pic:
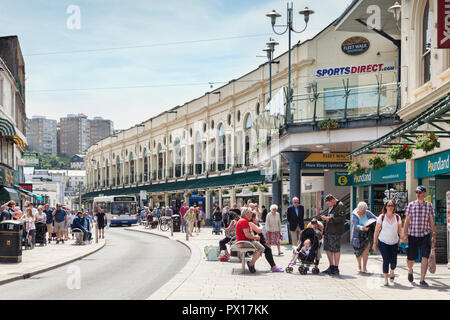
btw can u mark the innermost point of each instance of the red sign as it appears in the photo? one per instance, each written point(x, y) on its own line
point(443, 24)
point(26, 186)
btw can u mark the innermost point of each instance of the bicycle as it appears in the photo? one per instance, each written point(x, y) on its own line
point(164, 223)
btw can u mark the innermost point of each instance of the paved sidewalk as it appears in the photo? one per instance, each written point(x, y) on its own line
point(45, 258)
point(203, 280)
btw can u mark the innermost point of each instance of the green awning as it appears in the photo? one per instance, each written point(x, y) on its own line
point(435, 119)
point(237, 179)
point(7, 194)
point(28, 193)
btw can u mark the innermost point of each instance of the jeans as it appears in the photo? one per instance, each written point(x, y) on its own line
point(183, 225)
point(389, 254)
point(217, 225)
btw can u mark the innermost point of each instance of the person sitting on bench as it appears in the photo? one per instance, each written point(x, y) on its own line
point(78, 224)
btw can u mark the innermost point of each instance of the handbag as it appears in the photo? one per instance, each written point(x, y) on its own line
point(211, 253)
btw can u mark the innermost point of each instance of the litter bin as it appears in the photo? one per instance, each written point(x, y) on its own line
point(11, 241)
point(176, 222)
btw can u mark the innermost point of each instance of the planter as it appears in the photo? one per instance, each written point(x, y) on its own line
point(328, 124)
point(225, 192)
point(377, 163)
point(238, 190)
point(400, 152)
point(427, 142)
point(355, 169)
point(253, 188)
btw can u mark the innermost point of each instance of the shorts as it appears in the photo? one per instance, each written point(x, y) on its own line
point(253, 244)
point(58, 227)
point(50, 229)
point(332, 243)
point(416, 243)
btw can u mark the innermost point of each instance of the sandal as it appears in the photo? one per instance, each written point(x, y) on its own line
point(278, 270)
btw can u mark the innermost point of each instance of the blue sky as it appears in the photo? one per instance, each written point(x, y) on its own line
point(42, 28)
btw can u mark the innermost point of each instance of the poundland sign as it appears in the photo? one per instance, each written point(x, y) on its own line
point(433, 165)
point(391, 173)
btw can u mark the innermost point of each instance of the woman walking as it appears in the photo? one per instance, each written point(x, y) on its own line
point(273, 228)
point(29, 218)
point(362, 238)
point(190, 220)
point(387, 235)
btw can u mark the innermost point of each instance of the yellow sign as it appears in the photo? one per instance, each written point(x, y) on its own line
point(343, 180)
point(328, 157)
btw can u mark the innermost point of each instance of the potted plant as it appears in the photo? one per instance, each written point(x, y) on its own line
point(376, 162)
point(238, 190)
point(224, 192)
point(160, 196)
point(400, 152)
point(328, 124)
point(355, 168)
point(189, 194)
point(253, 188)
point(263, 189)
point(213, 193)
point(427, 142)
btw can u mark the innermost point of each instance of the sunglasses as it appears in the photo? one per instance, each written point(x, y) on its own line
point(418, 192)
point(390, 205)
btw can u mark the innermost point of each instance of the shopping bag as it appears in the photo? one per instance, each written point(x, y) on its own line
point(211, 253)
point(432, 261)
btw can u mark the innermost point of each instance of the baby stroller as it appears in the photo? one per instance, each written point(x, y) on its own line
point(41, 230)
point(312, 257)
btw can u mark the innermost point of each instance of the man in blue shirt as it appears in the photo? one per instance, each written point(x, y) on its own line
point(59, 217)
point(86, 222)
point(78, 223)
point(49, 221)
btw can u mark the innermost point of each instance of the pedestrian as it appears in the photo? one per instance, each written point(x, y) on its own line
point(198, 216)
point(100, 220)
point(169, 212)
point(420, 231)
point(295, 216)
point(257, 229)
point(273, 228)
point(78, 224)
point(387, 236)
point(41, 216)
point(30, 219)
point(86, 222)
point(5, 215)
point(244, 233)
point(335, 227)
point(59, 216)
point(73, 215)
point(264, 213)
point(49, 221)
point(184, 208)
point(362, 239)
point(190, 220)
point(230, 235)
point(226, 217)
point(217, 218)
point(67, 224)
point(236, 210)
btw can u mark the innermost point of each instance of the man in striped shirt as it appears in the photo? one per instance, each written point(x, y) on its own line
point(419, 229)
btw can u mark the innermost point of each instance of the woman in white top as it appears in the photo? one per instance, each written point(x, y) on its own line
point(29, 218)
point(273, 228)
point(41, 216)
point(387, 235)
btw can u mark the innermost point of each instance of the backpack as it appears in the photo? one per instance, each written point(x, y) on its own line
point(382, 219)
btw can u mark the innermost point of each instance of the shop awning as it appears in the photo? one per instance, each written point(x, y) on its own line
point(238, 179)
point(435, 119)
point(28, 193)
point(7, 129)
point(7, 194)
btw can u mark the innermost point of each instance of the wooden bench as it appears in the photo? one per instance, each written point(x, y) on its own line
point(242, 251)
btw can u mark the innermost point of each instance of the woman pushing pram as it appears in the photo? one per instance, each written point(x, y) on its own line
point(308, 251)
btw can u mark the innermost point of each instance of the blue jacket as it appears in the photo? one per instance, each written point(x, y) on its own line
point(78, 223)
point(356, 227)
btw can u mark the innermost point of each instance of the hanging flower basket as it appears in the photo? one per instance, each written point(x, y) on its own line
point(224, 192)
point(376, 162)
point(355, 168)
point(238, 190)
point(213, 193)
point(427, 142)
point(400, 152)
point(263, 189)
point(253, 188)
point(160, 197)
point(328, 124)
point(189, 194)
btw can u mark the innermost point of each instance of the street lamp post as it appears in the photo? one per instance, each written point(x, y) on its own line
point(273, 15)
point(269, 50)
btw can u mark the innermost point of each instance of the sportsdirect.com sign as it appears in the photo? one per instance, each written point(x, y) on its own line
point(352, 70)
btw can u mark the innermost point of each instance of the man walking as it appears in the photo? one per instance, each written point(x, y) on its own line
point(49, 221)
point(183, 211)
point(335, 219)
point(295, 217)
point(420, 231)
point(60, 223)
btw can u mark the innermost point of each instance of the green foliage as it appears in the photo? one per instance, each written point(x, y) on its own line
point(355, 168)
point(238, 190)
point(377, 163)
point(53, 162)
point(253, 188)
point(427, 142)
point(225, 192)
point(328, 124)
point(400, 152)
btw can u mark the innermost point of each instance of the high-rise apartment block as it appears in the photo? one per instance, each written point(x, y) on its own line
point(42, 135)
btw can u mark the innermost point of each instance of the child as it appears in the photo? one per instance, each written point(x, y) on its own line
point(304, 251)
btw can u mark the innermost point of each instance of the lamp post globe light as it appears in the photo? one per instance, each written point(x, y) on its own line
point(269, 51)
point(273, 15)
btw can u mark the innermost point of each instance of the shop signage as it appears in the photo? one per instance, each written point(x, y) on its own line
point(393, 172)
point(433, 165)
point(448, 227)
point(353, 70)
point(326, 161)
point(443, 24)
point(26, 186)
point(342, 179)
point(355, 45)
point(30, 158)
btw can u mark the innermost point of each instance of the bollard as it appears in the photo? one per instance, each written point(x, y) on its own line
point(96, 233)
point(171, 227)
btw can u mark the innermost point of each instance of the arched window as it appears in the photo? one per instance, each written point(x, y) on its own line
point(145, 165)
point(198, 153)
point(177, 158)
point(247, 129)
point(426, 44)
point(160, 162)
point(222, 148)
point(118, 170)
point(131, 167)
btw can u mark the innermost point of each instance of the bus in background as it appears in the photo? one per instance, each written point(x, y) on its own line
point(119, 210)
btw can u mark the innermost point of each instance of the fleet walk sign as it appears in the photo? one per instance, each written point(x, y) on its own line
point(317, 160)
